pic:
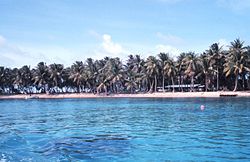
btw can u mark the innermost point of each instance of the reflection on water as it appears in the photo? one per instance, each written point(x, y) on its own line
point(125, 130)
point(86, 147)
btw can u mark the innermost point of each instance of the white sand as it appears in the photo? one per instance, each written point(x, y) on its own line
point(145, 95)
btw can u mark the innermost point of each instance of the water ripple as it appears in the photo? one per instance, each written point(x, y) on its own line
point(125, 130)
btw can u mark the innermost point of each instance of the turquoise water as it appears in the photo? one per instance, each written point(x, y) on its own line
point(125, 130)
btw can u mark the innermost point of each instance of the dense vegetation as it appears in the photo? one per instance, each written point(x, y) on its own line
point(216, 69)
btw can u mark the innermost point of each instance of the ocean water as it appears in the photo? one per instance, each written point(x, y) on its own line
point(125, 130)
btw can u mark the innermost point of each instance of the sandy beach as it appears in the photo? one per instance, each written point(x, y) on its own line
point(146, 95)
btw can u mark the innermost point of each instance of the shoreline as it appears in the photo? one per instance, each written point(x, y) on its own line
point(141, 95)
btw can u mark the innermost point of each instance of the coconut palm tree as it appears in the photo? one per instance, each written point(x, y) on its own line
point(170, 70)
point(113, 72)
point(102, 78)
point(92, 72)
point(55, 74)
point(77, 74)
point(8, 77)
point(22, 79)
point(111, 75)
point(68, 83)
point(40, 75)
point(116, 73)
point(181, 66)
point(1, 79)
point(206, 68)
point(215, 53)
point(246, 79)
point(130, 80)
point(236, 61)
point(163, 58)
point(152, 69)
point(191, 62)
point(135, 66)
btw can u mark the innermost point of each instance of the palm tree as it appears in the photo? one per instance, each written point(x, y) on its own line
point(152, 69)
point(247, 73)
point(130, 81)
point(111, 75)
point(22, 79)
point(135, 66)
point(236, 61)
point(77, 74)
point(8, 77)
point(40, 75)
point(191, 61)
point(206, 68)
point(180, 65)
point(102, 78)
point(92, 72)
point(113, 72)
point(164, 58)
point(1, 79)
point(170, 70)
point(116, 73)
point(55, 74)
point(68, 83)
point(215, 53)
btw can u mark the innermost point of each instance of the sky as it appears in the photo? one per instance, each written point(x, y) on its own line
point(65, 31)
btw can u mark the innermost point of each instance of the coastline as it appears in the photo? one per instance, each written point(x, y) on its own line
point(143, 95)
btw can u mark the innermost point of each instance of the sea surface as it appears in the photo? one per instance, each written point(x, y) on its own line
point(125, 130)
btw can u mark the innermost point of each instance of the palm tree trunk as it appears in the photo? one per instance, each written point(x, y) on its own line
point(206, 83)
point(236, 82)
point(192, 83)
point(106, 90)
point(217, 87)
point(139, 85)
point(243, 82)
point(172, 83)
point(78, 88)
point(151, 83)
point(181, 83)
point(163, 83)
point(44, 89)
point(155, 84)
point(113, 87)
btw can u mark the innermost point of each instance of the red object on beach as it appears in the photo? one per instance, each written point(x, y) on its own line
point(202, 107)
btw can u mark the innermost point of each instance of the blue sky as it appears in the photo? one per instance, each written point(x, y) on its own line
point(63, 31)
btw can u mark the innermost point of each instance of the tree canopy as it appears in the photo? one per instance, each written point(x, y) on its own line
point(215, 69)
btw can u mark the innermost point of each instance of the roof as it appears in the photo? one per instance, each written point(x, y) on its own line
point(183, 86)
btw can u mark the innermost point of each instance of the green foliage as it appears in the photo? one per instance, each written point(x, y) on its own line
point(215, 68)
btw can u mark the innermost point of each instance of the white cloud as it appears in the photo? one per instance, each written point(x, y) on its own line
point(170, 39)
point(173, 52)
point(235, 5)
point(109, 48)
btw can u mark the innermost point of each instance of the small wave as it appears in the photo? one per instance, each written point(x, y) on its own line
point(3, 158)
point(86, 147)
